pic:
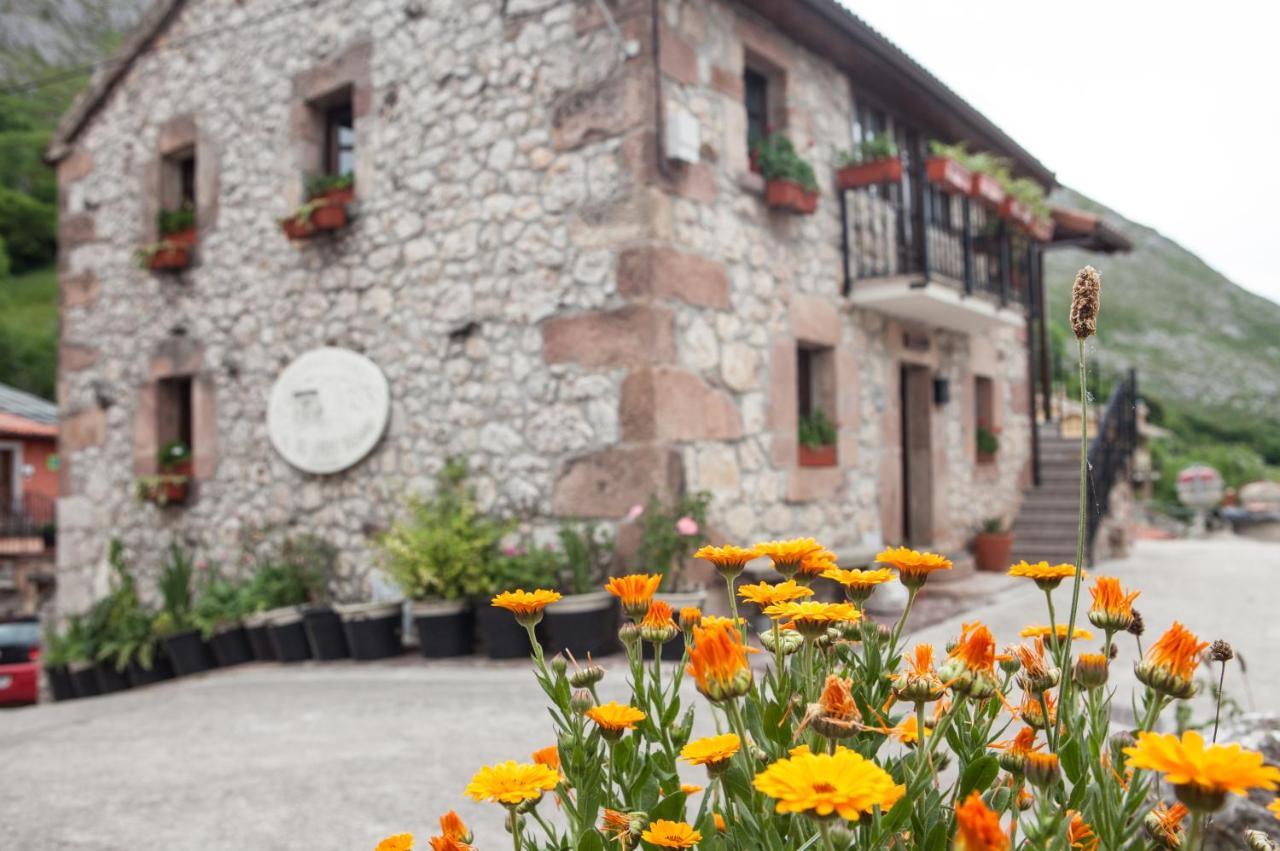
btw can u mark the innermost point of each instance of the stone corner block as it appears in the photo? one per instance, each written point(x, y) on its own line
point(607, 483)
point(670, 404)
point(665, 272)
point(628, 336)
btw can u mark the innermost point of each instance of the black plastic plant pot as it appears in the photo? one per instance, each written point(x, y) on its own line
point(188, 653)
point(445, 628)
point(84, 679)
point(259, 635)
point(289, 636)
point(161, 670)
point(109, 678)
point(61, 685)
point(325, 633)
point(373, 629)
point(231, 647)
point(500, 635)
point(582, 624)
point(672, 651)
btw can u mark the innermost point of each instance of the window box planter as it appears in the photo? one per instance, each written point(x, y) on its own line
point(257, 628)
point(230, 646)
point(872, 173)
point(325, 634)
point(1015, 211)
point(161, 669)
point(582, 624)
point(164, 490)
point(373, 629)
point(791, 196)
point(172, 253)
point(949, 175)
point(60, 684)
point(992, 551)
point(1041, 230)
point(818, 456)
point(987, 189)
point(500, 635)
point(189, 653)
point(445, 627)
point(84, 679)
point(986, 457)
point(288, 634)
point(324, 212)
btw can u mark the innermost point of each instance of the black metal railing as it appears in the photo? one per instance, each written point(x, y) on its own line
point(1110, 452)
point(28, 516)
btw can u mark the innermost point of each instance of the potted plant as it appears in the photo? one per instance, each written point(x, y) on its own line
point(176, 624)
point(946, 168)
point(874, 161)
point(172, 485)
point(439, 555)
point(325, 207)
point(314, 561)
point(585, 619)
point(993, 546)
point(1025, 202)
point(817, 440)
point(373, 629)
point(59, 650)
point(81, 652)
point(122, 629)
point(217, 613)
point(669, 535)
point(790, 183)
point(990, 174)
point(172, 252)
point(524, 566)
point(275, 592)
point(988, 443)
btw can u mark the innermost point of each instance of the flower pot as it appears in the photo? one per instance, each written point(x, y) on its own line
point(992, 551)
point(185, 237)
point(257, 628)
point(673, 650)
point(329, 216)
point(289, 634)
point(986, 189)
point(296, 228)
point(789, 195)
point(500, 635)
point(818, 456)
point(1015, 211)
point(445, 627)
point(340, 196)
point(231, 646)
point(948, 175)
point(110, 679)
point(83, 679)
point(60, 684)
point(188, 653)
point(869, 174)
point(582, 624)
point(170, 258)
point(324, 633)
point(1041, 230)
point(373, 629)
point(986, 457)
point(161, 670)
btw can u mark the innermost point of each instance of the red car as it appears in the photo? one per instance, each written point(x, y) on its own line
point(19, 661)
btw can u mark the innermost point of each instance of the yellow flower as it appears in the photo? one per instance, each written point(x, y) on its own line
point(1041, 631)
point(729, 560)
point(399, 842)
point(719, 819)
point(690, 788)
point(718, 661)
point(811, 618)
point(844, 783)
point(977, 827)
point(1202, 776)
point(720, 620)
point(1047, 576)
point(615, 718)
point(690, 616)
point(907, 731)
point(913, 567)
point(635, 591)
point(764, 595)
point(1274, 808)
point(1112, 608)
point(511, 783)
point(1169, 665)
point(527, 606)
point(712, 750)
point(817, 563)
point(858, 584)
point(787, 555)
point(671, 834)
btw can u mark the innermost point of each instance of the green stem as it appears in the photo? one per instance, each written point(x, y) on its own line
point(1217, 712)
point(545, 827)
point(1064, 692)
point(1195, 837)
point(1053, 629)
point(923, 756)
point(613, 776)
point(1050, 727)
point(897, 629)
point(733, 607)
point(824, 827)
point(515, 829)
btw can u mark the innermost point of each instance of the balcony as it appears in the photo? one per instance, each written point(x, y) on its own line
point(27, 525)
point(917, 252)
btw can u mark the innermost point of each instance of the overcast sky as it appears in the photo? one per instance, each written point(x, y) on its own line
point(1167, 112)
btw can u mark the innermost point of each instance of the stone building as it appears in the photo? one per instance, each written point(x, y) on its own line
point(561, 257)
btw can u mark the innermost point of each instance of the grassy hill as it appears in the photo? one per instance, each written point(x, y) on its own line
point(1207, 351)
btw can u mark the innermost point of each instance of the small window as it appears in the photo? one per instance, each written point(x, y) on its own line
point(339, 138)
point(985, 431)
point(178, 192)
point(816, 405)
point(187, 180)
point(756, 94)
point(174, 420)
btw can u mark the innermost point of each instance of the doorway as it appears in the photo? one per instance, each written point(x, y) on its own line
point(916, 405)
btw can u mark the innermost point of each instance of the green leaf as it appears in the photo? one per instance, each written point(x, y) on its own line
point(978, 774)
point(592, 841)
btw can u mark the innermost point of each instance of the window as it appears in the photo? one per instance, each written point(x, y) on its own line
point(755, 87)
point(985, 431)
point(174, 420)
point(187, 180)
point(339, 137)
point(815, 405)
point(178, 184)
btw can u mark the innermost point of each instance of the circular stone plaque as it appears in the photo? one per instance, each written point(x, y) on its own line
point(328, 409)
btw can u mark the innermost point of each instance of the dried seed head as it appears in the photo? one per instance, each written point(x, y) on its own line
point(1137, 627)
point(1220, 651)
point(1085, 300)
point(1259, 841)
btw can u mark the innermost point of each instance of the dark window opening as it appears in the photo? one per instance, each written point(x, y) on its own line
point(816, 405)
point(175, 421)
point(984, 418)
point(756, 97)
point(804, 382)
point(339, 138)
point(187, 180)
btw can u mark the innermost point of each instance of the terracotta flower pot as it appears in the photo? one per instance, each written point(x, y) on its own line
point(987, 189)
point(789, 195)
point(1016, 211)
point(818, 456)
point(176, 491)
point(868, 174)
point(949, 175)
point(186, 236)
point(986, 457)
point(170, 258)
point(1041, 230)
point(329, 216)
point(296, 228)
point(340, 196)
point(993, 550)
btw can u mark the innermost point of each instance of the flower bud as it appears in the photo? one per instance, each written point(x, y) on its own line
point(1259, 841)
point(788, 640)
point(559, 664)
point(1042, 769)
point(1009, 663)
point(1091, 670)
point(658, 634)
point(1164, 681)
point(629, 635)
point(690, 616)
point(1041, 680)
point(586, 677)
point(1014, 763)
point(581, 700)
point(1111, 621)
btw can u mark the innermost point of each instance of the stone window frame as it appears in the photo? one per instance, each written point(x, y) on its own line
point(764, 52)
point(176, 358)
point(176, 138)
point(816, 368)
point(984, 413)
point(314, 91)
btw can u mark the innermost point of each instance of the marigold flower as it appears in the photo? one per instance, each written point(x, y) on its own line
point(1202, 776)
point(622, 826)
point(729, 560)
point(1047, 576)
point(527, 606)
point(907, 730)
point(721, 620)
point(970, 668)
point(690, 788)
point(713, 751)
point(719, 819)
point(1092, 670)
point(658, 624)
point(844, 783)
point(913, 567)
point(1164, 825)
point(815, 564)
point(1037, 672)
point(920, 683)
point(511, 783)
point(977, 827)
point(811, 618)
point(615, 718)
point(398, 842)
point(448, 843)
point(1032, 713)
point(548, 756)
point(671, 834)
point(764, 595)
point(787, 555)
point(835, 715)
point(690, 616)
point(1080, 834)
point(1042, 769)
point(858, 584)
point(1274, 808)
point(1059, 632)
point(1014, 758)
point(1112, 608)
point(635, 591)
point(1169, 665)
point(452, 826)
point(718, 662)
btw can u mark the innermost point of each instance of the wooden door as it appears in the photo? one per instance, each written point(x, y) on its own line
point(917, 455)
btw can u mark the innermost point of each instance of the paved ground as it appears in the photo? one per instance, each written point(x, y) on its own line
point(336, 756)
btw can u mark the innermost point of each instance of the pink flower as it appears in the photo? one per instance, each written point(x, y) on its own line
point(634, 513)
point(687, 526)
point(510, 551)
point(202, 565)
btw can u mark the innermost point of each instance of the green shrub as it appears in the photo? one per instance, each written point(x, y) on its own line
point(277, 584)
point(322, 184)
point(588, 552)
point(778, 160)
point(663, 544)
point(172, 221)
point(120, 629)
point(524, 567)
point(988, 441)
point(174, 585)
point(817, 430)
point(172, 454)
point(222, 603)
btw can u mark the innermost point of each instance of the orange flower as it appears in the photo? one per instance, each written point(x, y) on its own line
point(635, 591)
point(1060, 632)
point(510, 783)
point(1014, 758)
point(525, 605)
point(718, 662)
point(858, 584)
point(1169, 665)
point(977, 827)
point(729, 560)
point(659, 615)
point(913, 567)
point(615, 718)
point(812, 619)
point(719, 819)
point(976, 648)
point(618, 824)
point(690, 616)
point(1112, 608)
point(1032, 714)
point(907, 731)
point(1080, 834)
point(1202, 776)
point(671, 834)
point(1274, 808)
point(1037, 672)
point(1047, 576)
point(690, 788)
point(843, 783)
point(787, 555)
point(1042, 769)
point(712, 751)
point(452, 826)
point(764, 595)
point(817, 563)
point(920, 683)
point(1164, 824)
point(399, 842)
point(448, 843)
point(548, 756)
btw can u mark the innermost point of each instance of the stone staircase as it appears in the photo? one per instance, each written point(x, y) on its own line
point(1046, 526)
